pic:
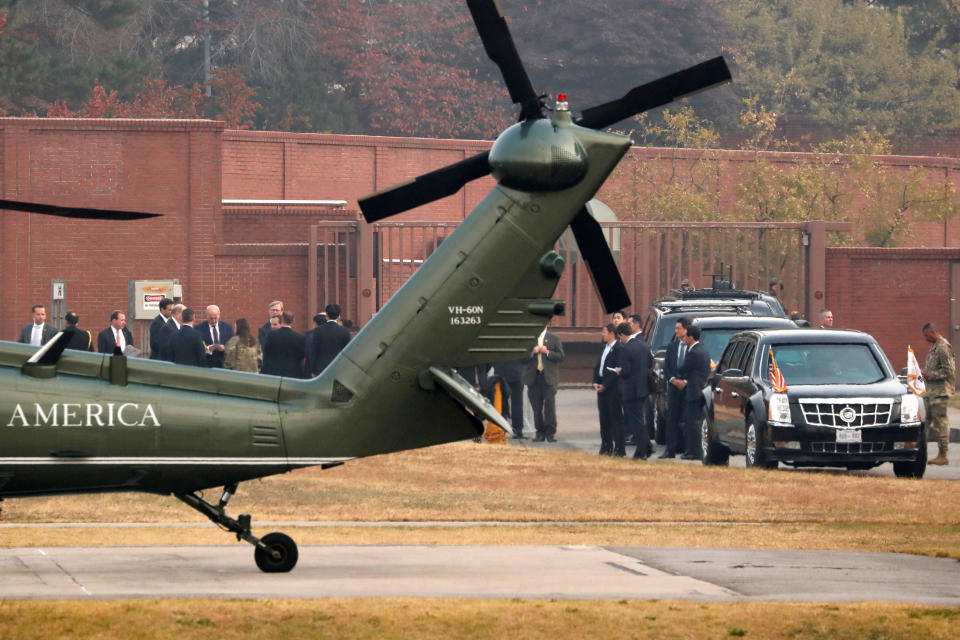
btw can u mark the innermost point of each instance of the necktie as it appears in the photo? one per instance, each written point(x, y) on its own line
point(681, 354)
point(216, 335)
point(540, 355)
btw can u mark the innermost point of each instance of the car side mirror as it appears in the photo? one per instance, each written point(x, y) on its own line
point(732, 373)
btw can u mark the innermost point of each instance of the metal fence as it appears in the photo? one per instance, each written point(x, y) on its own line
point(653, 258)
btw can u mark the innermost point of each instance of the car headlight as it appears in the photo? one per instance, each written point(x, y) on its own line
point(909, 409)
point(779, 408)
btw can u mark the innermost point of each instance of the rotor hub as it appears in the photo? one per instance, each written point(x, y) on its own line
point(538, 155)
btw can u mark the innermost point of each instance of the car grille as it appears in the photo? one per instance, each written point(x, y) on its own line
point(853, 447)
point(847, 414)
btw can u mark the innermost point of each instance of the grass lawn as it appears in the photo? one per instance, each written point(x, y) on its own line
point(677, 505)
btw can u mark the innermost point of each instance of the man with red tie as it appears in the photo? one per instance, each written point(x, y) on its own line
point(116, 336)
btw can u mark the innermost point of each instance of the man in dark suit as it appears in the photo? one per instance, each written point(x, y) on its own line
point(215, 333)
point(116, 336)
point(37, 332)
point(671, 361)
point(511, 372)
point(692, 377)
point(81, 340)
point(275, 309)
point(318, 320)
point(186, 345)
point(170, 329)
point(166, 309)
point(636, 364)
point(329, 339)
point(606, 382)
point(283, 350)
point(541, 375)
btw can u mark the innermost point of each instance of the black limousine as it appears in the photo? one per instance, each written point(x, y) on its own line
point(843, 405)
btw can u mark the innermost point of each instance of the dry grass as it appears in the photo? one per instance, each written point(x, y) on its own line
point(429, 618)
point(742, 508)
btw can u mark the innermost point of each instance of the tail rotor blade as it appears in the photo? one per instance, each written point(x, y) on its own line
point(500, 48)
point(599, 261)
point(74, 212)
point(658, 93)
point(423, 189)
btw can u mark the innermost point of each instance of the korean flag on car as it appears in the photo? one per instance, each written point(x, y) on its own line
point(915, 374)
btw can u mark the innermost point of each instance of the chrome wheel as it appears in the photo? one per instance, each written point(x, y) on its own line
point(751, 444)
point(704, 439)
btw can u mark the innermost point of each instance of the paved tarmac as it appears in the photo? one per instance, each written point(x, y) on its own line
point(496, 571)
point(579, 428)
point(564, 572)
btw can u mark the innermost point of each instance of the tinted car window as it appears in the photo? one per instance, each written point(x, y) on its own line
point(746, 357)
point(727, 357)
point(827, 363)
point(735, 356)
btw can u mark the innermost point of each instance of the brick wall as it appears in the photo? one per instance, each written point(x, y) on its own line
point(242, 259)
point(171, 167)
point(890, 294)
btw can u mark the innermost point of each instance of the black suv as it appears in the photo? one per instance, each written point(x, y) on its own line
point(717, 322)
point(843, 405)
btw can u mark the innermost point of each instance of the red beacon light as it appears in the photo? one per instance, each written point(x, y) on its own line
point(561, 104)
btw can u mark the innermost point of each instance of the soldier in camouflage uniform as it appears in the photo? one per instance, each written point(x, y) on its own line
point(939, 372)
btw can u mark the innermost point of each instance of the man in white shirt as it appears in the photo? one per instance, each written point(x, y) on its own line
point(38, 331)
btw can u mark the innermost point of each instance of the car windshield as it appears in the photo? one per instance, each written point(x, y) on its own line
point(825, 364)
point(715, 340)
point(664, 334)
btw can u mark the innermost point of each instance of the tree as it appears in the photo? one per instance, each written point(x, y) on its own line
point(841, 65)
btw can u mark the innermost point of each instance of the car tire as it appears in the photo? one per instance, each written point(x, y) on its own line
point(915, 468)
point(754, 447)
point(711, 452)
point(660, 425)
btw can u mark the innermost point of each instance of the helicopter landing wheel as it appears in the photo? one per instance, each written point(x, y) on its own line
point(278, 553)
point(274, 552)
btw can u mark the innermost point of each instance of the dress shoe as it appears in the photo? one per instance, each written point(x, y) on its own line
point(619, 454)
point(667, 455)
point(518, 436)
point(689, 456)
point(605, 452)
point(641, 455)
point(551, 439)
point(539, 438)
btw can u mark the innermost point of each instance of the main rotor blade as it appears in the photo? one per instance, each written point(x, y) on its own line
point(74, 212)
point(657, 93)
point(500, 48)
point(423, 189)
point(599, 261)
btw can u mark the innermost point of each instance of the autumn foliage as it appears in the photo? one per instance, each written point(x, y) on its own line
point(232, 102)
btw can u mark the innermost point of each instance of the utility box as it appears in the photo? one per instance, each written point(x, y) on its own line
point(145, 296)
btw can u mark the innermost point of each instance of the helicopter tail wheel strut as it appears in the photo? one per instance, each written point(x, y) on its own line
point(274, 553)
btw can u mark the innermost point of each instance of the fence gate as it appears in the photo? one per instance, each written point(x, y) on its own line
point(332, 267)
point(653, 258)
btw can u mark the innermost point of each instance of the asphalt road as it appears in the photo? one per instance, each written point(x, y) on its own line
point(579, 428)
point(566, 572)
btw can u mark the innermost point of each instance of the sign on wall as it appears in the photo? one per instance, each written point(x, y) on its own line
point(146, 296)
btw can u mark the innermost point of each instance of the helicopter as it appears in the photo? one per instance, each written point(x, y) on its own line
point(74, 422)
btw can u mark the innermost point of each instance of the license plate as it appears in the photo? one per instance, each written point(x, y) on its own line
point(848, 436)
